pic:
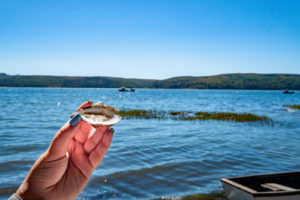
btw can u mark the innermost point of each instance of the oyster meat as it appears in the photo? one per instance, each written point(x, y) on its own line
point(100, 115)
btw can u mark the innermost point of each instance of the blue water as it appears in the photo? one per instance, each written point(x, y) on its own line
point(154, 158)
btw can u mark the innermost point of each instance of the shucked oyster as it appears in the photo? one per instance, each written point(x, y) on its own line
point(100, 115)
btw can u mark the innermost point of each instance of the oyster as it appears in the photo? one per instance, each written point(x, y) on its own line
point(100, 115)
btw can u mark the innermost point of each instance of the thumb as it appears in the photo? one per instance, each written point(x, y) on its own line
point(61, 140)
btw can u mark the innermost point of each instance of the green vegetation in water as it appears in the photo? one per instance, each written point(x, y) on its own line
point(293, 106)
point(190, 116)
point(212, 196)
point(244, 117)
point(144, 114)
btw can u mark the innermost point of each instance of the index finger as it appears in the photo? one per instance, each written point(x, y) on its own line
point(84, 105)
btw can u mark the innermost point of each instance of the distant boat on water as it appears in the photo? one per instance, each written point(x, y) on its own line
point(123, 89)
point(279, 186)
point(288, 92)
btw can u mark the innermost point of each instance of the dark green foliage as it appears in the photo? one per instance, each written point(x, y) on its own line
point(234, 81)
point(189, 116)
point(71, 81)
point(175, 113)
point(293, 106)
point(224, 81)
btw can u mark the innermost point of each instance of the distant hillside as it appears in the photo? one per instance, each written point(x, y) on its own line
point(71, 81)
point(224, 81)
point(234, 81)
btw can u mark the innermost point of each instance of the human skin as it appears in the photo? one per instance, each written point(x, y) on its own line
point(64, 169)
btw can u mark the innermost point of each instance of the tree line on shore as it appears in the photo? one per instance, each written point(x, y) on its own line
point(223, 81)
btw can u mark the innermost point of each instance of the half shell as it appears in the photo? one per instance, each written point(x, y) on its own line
point(100, 115)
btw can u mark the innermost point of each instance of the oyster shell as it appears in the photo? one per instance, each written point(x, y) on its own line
point(100, 115)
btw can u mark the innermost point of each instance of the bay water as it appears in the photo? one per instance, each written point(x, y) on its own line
point(150, 158)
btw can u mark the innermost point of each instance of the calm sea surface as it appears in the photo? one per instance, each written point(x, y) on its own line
point(150, 159)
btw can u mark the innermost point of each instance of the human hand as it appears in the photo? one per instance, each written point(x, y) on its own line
point(65, 168)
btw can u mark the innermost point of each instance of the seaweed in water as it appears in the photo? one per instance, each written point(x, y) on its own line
point(293, 106)
point(212, 196)
point(190, 116)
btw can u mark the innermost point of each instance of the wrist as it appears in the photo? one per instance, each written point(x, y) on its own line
point(25, 193)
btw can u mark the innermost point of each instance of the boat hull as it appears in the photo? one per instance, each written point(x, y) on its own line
point(281, 186)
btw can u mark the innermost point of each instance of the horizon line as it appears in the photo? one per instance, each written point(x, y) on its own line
point(3, 73)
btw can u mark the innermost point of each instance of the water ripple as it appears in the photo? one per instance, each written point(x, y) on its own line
point(149, 159)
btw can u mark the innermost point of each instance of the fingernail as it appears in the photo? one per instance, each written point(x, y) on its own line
point(75, 119)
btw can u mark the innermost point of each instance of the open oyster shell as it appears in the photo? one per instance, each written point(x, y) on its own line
point(100, 115)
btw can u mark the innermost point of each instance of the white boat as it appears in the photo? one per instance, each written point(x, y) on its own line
point(279, 186)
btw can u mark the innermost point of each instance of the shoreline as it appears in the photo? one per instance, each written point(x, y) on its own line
point(218, 89)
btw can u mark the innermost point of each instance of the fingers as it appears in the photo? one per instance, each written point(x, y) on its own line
point(94, 140)
point(78, 128)
point(96, 155)
point(61, 140)
point(84, 131)
point(80, 159)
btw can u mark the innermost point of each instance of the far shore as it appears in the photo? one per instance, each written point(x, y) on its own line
point(248, 81)
point(279, 90)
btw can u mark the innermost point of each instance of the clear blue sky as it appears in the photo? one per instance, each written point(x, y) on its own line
point(149, 38)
